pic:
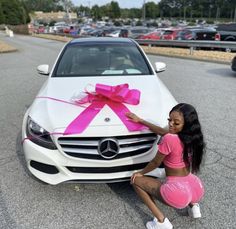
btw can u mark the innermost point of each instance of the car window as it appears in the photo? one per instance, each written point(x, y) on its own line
point(102, 59)
point(168, 32)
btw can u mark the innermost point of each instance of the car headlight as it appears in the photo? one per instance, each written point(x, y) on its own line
point(39, 135)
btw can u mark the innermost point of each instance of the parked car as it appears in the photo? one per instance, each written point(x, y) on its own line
point(107, 31)
point(170, 34)
point(59, 27)
point(118, 33)
point(67, 29)
point(198, 34)
point(135, 32)
point(233, 64)
point(39, 29)
point(76, 129)
point(96, 33)
point(227, 32)
point(151, 36)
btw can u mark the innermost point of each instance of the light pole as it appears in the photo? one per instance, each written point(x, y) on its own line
point(144, 11)
point(235, 14)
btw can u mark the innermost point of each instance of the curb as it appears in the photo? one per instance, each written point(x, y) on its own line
point(189, 58)
point(8, 51)
point(150, 52)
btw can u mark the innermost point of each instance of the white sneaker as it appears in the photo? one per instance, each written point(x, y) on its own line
point(154, 224)
point(194, 211)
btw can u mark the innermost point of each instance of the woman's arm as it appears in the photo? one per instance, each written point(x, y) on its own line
point(156, 129)
point(154, 163)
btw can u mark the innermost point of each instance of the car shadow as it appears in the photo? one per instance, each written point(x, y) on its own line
point(125, 191)
point(223, 72)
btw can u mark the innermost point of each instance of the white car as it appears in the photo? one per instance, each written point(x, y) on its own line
point(76, 130)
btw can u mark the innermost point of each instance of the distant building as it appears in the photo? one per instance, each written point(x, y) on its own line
point(47, 17)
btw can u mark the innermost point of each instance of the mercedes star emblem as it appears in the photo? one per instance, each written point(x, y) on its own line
point(108, 148)
point(107, 119)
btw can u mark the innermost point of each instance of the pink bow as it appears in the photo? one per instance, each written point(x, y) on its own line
point(114, 97)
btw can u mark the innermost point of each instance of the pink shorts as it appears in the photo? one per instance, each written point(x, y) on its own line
point(179, 192)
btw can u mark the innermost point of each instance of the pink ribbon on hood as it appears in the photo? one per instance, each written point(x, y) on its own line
point(114, 97)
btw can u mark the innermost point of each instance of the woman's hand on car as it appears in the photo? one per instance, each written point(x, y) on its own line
point(133, 117)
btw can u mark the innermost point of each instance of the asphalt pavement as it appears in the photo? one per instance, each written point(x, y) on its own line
point(25, 203)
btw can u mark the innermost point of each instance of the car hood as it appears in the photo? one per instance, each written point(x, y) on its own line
point(53, 109)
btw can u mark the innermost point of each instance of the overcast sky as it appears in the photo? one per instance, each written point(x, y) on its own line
point(122, 3)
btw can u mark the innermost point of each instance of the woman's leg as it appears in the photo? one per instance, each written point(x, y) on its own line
point(146, 188)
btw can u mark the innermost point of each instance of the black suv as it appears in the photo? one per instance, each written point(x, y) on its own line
point(198, 34)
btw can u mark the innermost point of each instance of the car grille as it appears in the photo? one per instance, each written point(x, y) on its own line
point(87, 147)
point(115, 169)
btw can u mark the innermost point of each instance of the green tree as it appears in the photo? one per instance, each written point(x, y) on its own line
point(14, 12)
point(114, 10)
point(82, 10)
point(152, 10)
point(2, 16)
point(135, 13)
point(47, 5)
point(96, 12)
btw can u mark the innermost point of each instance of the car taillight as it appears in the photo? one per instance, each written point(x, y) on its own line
point(217, 37)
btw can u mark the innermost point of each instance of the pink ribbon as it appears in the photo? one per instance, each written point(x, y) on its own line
point(114, 97)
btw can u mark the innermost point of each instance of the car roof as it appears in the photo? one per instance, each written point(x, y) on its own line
point(102, 40)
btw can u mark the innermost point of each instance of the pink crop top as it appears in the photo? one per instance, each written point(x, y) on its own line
point(172, 147)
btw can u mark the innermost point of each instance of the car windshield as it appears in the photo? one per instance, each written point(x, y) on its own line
point(101, 59)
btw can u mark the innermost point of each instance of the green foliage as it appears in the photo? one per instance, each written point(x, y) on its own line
point(2, 16)
point(17, 11)
point(46, 5)
point(114, 10)
point(13, 12)
point(96, 12)
point(198, 8)
point(135, 13)
point(152, 10)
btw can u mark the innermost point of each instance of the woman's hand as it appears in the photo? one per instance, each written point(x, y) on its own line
point(133, 117)
point(137, 174)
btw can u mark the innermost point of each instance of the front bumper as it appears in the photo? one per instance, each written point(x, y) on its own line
point(52, 167)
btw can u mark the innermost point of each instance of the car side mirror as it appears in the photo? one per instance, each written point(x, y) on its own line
point(160, 67)
point(43, 69)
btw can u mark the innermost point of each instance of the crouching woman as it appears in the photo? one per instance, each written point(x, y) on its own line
point(181, 150)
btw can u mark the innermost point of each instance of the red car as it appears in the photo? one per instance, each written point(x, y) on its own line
point(151, 36)
point(39, 29)
point(170, 34)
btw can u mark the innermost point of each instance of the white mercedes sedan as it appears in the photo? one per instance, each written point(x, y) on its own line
point(76, 129)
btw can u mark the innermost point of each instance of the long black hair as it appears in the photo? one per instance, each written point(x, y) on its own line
point(191, 135)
